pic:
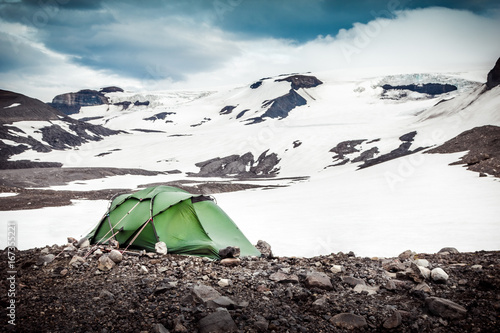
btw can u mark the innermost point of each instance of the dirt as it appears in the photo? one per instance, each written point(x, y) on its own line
point(156, 293)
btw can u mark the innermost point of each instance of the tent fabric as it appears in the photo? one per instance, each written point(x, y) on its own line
point(188, 223)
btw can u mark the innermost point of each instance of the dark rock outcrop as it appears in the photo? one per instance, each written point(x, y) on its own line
point(242, 166)
point(280, 107)
point(426, 88)
point(301, 81)
point(494, 76)
point(111, 89)
point(159, 116)
point(18, 107)
point(402, 150)
point(483, 146)
point(71, 103)
point(256, 85)
point(138, 103)
point(227, 109)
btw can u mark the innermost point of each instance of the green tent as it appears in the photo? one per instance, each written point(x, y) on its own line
point(187, 223)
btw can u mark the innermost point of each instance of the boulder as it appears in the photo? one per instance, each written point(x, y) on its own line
point(284, 278)
point(219, 321)
point(348, 321)
point(448, 250)
point(393, 321)
point(493, 79)
point(352, 281)
point(264, 248)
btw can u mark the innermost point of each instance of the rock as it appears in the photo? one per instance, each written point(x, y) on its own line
point(422, 262)
point(320, 302)
point(72, 240)
point(230, 262)
point(69, 248)
point(202, 293)
point(448, 250)
point(445, 308)
point(97, 252)
point(143, 269)
point(219, 321)
point(423, 287)
point(406, 255)
point(161, 248)
point(221, 302)
point(493, 78)
point(46, 259)
point(318, 280)
point(417, 273)
point(393, 321)
point(105, 263)
point(284, 278)
point(45, 251)
point(301, 81)
point(439, 275)
point(264, 248)
point(352, 281)
point(476, 267)
point(116, 256)
point(335, 269)
point(229, 252)
point(76, 261)
point(360, 288)
point(348, 321)
point(159, 328)
point(223, 283)
point(71, 103)
point(261, 324)
point(393, 265)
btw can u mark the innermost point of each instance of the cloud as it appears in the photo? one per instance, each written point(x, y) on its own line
point(163, 45)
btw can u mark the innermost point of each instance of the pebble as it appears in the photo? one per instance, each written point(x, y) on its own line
point(318, 280)
point(218, 321)
point(116, 256)
point(348, 321)
point(445, 308)
point(335, 269)
point(223, 283)
point(393, 321)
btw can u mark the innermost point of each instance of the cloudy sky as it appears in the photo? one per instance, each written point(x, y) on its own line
point(48, 47)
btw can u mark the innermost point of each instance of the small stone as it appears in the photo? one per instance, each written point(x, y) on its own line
point(83, 243)
point(159, 328)
point(229, 252)
point(360, 288)
point(230, 262)
point(445, 308)
point(422, 262)
point(143, 269)
point(439, 275)
point(221, 302)
point(45, 251)
point(46, 259)
point(320, 302)
point(265, 249)
point(352, 281)
point(97, 252)
point(261, 324)
point(219, 321)
point(348, 321)
point(76, 261)
point(72, 240)
point(69, 248)
point(202, 293)
point(318, 280)
point(105, 264)
point(476, 267)
point(393, 321)
point(116, 256)
point(284, 278)
point(223, 283)
point(423, 287)
point(335, 269)
point(161, 248)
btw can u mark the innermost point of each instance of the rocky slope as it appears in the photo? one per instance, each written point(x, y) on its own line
point(17, 107)
point(57, 290)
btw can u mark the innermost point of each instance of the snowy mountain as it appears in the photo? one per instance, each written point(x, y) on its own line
point(350, 157)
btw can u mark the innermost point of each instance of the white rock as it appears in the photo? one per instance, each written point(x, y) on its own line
point(223, 283)
point(426, 273)
point(439, 275)
point(422, 262)
point(359, 288)
point(143, 269)
point(45, 251)
point(83, 243)
point(97, 252)
point(161, 248)
point(336, 269)
point(476, 267)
